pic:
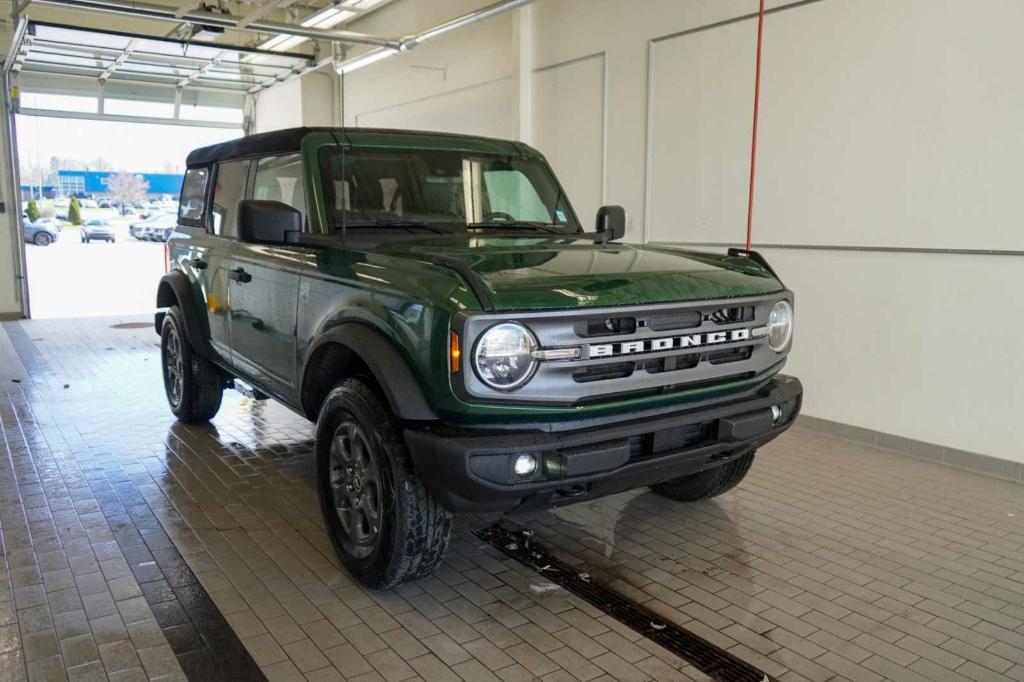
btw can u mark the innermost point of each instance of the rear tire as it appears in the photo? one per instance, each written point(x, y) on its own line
point(194, 385)
point(384, 524)
point(706, 484)
point(42, 239)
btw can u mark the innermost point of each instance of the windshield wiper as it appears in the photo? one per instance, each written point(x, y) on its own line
point(543, 227)
point(389, 222)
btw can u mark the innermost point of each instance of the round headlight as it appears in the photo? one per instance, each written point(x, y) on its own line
point(503, 358)
point(780, 326)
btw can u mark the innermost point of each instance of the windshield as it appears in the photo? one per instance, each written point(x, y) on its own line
point(442, 191)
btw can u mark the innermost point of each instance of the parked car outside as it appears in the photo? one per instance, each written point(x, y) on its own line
point(97, 229)
point(434, 304)
point(41, 234)
point(157, 228)
point(55, 222)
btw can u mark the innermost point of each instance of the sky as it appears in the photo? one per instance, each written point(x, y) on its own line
point(137, 147)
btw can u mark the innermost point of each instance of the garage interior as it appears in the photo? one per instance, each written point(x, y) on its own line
point(878, 539)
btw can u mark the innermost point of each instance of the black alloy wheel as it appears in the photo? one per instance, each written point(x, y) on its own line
point(357, 488)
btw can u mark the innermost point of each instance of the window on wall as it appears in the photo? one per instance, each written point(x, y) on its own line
point(43, 100)
point(193, 196)
point(128, 107)
point(280, 178)
point(192, 112)
point(229, 190)
point(71, 184)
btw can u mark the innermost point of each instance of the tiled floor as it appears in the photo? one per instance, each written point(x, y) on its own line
point(830, 561)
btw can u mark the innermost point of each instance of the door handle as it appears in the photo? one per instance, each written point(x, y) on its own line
point(239, 275)
point(198, 263)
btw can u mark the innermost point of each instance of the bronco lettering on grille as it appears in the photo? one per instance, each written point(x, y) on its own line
point(605, 350)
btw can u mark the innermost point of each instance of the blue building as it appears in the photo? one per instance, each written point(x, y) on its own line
point(78, 183)
point(29, 191)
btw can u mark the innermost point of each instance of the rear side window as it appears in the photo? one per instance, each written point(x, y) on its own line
point(227, 192)
point(193, 197)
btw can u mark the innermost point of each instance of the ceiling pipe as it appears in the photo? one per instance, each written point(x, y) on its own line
point(466, 20)
point(386, 51)
point(165, 13)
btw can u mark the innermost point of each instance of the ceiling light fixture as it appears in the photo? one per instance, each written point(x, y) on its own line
point(365, 59)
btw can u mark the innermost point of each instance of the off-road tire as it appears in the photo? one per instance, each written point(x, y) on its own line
point(42, 239)
point(706, 484)
point(202, 382)
point(414, 528)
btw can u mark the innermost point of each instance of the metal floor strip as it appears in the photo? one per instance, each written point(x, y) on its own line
point(710, 659)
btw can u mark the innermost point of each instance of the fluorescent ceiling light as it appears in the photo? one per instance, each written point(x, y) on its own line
point(282, 43)
point(365, 59)
point(326, 18)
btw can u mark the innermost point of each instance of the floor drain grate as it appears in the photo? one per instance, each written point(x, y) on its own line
point(702, 654)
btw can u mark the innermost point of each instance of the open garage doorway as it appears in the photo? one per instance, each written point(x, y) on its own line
point(100, 199)
point(101, 124)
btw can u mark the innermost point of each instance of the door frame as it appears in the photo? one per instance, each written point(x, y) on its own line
point(8, 131)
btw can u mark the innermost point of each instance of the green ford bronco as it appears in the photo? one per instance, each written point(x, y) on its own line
point(463, 344)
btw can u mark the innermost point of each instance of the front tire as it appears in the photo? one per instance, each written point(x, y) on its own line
point(385, 525)
point(707, 484)
point(42, 239)
point(194, 385)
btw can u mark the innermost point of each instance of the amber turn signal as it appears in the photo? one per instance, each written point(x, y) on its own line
point(454, 352)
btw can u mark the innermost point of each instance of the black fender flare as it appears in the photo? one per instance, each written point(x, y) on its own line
point(175, 289)
point(385, 362)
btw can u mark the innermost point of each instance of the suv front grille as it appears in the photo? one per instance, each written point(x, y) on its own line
point(635, 351)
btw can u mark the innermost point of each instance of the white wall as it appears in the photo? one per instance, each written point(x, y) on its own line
point(462, 82)
point(883, 124)
point(568, 115)
point(310, 100)
point(480, 109)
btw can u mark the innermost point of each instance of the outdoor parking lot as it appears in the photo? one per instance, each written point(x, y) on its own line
point(70, 278)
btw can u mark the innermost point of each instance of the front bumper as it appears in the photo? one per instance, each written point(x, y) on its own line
point(470, 470)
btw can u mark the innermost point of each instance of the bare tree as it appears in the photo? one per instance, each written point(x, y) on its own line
point(127, 188)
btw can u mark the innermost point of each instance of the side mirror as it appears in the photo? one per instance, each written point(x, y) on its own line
point(267, 222)
point(611, 222)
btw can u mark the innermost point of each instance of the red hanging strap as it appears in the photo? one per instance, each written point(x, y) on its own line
point(753, 136)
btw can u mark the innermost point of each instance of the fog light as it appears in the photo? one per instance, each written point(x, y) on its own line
point(776, 414)
point(525, 465)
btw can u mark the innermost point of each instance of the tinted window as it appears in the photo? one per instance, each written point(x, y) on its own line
point(193, 196)
point(229, 190)
point(280, 178)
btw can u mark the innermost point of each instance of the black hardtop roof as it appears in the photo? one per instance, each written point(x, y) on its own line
point(289, 140)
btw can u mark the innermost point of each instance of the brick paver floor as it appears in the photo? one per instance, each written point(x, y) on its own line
point(132, 544)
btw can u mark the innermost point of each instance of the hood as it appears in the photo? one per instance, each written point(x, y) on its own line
point(538, 273)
